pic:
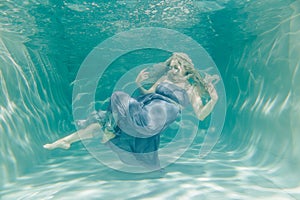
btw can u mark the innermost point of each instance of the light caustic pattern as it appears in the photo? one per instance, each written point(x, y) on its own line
point(260, 158)
point(138, 39)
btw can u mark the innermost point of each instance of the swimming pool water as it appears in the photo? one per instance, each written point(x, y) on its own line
point(255, 47)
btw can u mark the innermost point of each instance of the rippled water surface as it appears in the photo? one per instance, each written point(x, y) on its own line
point(255, 45)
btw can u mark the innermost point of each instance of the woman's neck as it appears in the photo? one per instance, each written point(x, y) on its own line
point(179, 81)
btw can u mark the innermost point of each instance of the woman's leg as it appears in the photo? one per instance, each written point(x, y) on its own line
point(86, 133)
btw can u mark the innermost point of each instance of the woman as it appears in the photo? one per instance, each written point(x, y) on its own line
point(134, 124)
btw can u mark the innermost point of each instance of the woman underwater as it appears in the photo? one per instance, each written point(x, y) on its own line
point(133, 125)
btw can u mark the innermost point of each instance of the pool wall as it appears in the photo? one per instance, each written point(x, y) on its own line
point(39, 46)
point(34, 104)
point(263, 119)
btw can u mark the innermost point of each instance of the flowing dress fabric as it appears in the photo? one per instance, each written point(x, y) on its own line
point(140, 121)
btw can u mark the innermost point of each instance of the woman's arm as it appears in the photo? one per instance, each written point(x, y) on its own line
point(143, 75)
point(202, 111)
point(87, 133)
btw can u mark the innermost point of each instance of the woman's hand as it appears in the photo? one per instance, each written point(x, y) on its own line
point(143, 75)
point(212, 92)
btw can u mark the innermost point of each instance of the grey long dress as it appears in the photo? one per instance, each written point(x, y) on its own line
point(140, 121)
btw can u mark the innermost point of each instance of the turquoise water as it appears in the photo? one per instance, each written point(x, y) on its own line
point(255, 45)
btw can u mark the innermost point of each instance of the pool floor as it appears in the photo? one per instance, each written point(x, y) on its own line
point(75, 174)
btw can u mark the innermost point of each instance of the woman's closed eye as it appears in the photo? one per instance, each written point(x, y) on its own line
point(175, 67)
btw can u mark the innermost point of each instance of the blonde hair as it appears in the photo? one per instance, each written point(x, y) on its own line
point(195, 77)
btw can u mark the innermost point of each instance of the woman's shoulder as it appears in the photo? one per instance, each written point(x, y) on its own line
point(185, 85)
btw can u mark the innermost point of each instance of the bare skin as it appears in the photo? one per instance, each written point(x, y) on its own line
point(176, 75)
point(65, 143)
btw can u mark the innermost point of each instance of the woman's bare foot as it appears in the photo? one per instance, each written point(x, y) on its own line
point(107, 135)
point(58, 144)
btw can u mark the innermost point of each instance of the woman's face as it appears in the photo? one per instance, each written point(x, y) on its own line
point(176, 68)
